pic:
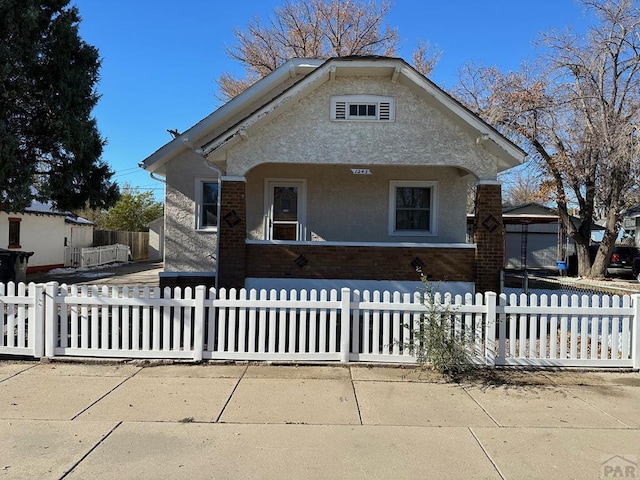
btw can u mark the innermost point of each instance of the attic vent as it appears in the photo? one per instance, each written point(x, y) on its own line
point(385, 108)
point(369, 108)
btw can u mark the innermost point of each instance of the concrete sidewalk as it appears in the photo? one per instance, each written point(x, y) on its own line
point(131, 421)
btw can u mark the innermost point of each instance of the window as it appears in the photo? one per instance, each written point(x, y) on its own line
point(412, 208)
point(207, 204)
point(362, 108)
point(14, 232)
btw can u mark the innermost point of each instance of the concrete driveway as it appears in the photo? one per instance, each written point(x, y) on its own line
point(132, 273)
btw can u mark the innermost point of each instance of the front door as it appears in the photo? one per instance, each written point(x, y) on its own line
point(285, 210)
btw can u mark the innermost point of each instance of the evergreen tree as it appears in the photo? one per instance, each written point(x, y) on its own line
point(50, 147)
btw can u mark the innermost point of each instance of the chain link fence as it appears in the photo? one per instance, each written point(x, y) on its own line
point(527, 282)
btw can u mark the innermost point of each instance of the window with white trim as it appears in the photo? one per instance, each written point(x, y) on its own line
point(362, 108)
point(206, 204)
point(412, 208)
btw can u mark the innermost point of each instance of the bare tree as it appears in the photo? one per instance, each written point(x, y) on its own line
point(525, 185)
point(315, 29)
point(578, 116)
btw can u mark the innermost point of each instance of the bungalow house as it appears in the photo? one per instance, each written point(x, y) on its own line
point(46, 232)
point(348, 171)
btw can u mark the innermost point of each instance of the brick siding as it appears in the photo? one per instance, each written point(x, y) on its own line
point(358, 262)
point(232, 234)
point(489, 237)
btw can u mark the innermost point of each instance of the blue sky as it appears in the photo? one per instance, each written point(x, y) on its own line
point(161, 58)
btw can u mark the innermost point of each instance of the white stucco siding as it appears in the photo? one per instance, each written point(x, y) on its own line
point(345, 207)
point(41, 234)
point(186, 249)
point(422, 134)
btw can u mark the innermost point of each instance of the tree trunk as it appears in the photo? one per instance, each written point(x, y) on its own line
point(603, 256)
point(584, 260)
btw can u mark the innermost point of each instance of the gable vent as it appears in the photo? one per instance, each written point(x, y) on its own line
point(363, 108)
point(385, 107)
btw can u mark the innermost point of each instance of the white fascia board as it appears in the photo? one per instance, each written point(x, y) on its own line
point(320, 75)
point(463, 113)
point(189, 138)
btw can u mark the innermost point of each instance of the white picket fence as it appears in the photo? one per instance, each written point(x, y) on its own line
point(92, 256)
point(328, 326)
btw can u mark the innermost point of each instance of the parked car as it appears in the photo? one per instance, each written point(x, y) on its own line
point(624, 262)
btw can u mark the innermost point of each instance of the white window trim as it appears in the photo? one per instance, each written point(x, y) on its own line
point(302, 204)
point(393, 184)
point(363, 99)
point(198, 204)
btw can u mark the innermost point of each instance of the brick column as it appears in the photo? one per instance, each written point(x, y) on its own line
point(232, 233)
point(488, 233)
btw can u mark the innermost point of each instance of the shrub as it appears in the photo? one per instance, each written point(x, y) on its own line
point(435, 341)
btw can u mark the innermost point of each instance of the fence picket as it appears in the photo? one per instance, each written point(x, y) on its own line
point(292, 322)
point(532, 318)
point(322, 325)
point(21, 320)
point(313, 324)
point(125, 317)
point(544, 326)
point(143, 331)
point(186, 344)
point(553, 329)
point(376, 335)
point(302, 331)
point(262, 323)
point(574, 328)
point(333, 323)
point(273, 296)
point(564, 324)
point(395, 347)
point(251, 335)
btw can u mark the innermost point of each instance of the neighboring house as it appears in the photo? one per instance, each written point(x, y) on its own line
point(631, 224)
point(46, 232)
point(349, 171)
point(156, 239)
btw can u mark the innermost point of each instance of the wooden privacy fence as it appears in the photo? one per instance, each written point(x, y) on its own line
point(138, 242)
point(329, 326)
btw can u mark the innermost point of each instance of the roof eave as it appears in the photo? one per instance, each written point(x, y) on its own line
point(297, 66)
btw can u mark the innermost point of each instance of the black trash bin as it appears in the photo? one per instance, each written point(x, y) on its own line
point(7, 265)
point(22, 259)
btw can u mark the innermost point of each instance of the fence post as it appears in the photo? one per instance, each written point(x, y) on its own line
point(345, 325)
point(198, 327)
point(50, 319)
point(635, 345)
point(37, 338)
point(490, 329)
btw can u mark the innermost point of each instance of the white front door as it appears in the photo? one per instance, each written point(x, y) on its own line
point(285, 210)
